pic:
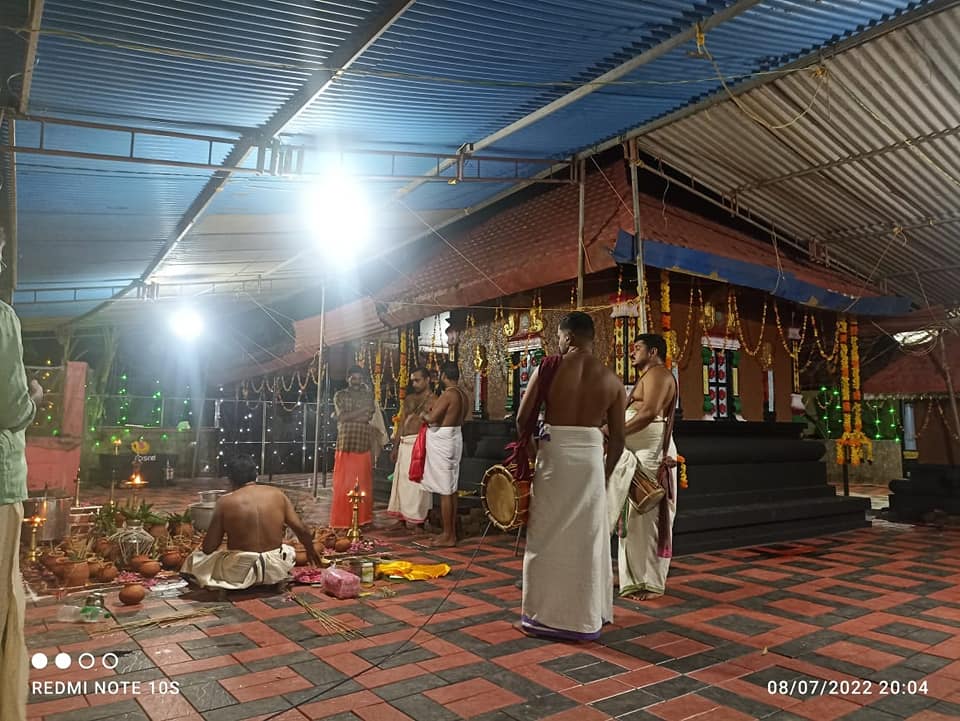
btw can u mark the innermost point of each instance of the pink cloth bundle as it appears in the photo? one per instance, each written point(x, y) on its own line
point(339, 583)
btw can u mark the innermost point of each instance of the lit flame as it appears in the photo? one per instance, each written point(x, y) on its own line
point(136, 481)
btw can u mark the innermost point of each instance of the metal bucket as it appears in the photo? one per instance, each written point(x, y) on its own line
point(56, 511)
point(200, 515)
point(210, 496)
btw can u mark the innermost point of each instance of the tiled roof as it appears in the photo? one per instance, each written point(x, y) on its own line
point(918, 373)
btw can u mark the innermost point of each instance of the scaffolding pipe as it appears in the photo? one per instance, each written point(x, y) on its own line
point(320, 391)
point(634, 161)
point(581, 249)
point(955, 432)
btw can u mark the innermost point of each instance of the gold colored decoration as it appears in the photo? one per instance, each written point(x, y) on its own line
point(34, 522)
point(709, 315)
point(510, 325)
point(536, 314)
point(356, 497)
point(479, 358)
point(766, 355)
point(378, 373)
point(665, 322)
point(735, 322)
point(861, 447)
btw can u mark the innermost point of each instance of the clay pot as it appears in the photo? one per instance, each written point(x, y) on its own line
point(102, 546)
point(96, 567)
point(137, 561)
point(331, 540)
point(108, 572)
point(59, 567)
point(184, 529)
point(172, 560)
point(158, 530)
point(50, 559)
point(132, 594)
point(149, 569)
point(76, 573)
point(342, 545)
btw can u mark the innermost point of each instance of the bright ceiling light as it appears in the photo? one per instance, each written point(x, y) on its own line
point(186, 324)
point(909, 339)
point(339, 218)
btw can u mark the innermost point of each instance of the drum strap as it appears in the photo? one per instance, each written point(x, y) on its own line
point(519, 459)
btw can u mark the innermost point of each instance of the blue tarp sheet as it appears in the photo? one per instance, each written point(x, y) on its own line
point(750, 275)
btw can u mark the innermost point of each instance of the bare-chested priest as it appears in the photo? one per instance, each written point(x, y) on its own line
point(253, 518)
point(567, 569)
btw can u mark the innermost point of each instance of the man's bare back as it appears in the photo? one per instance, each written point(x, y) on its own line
point(455, 406)
point(253, 518)
point(582, 393)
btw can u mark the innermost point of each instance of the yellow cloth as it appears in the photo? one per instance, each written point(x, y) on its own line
point(414, 572)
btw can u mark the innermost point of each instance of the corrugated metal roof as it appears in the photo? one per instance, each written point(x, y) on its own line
point(444, 73)
point(842, 174)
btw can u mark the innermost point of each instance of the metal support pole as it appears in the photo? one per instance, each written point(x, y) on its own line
point(303, 451)
point(634, 161)
point(320, 390)
point(949, 377)
point(263, 439)
point(846, 472)
point(581, 249)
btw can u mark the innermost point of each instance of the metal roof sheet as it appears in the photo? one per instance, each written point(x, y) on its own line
point(446, 72)
point(871, 170)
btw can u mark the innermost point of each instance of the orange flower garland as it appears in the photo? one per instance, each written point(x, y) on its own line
point(861, 447)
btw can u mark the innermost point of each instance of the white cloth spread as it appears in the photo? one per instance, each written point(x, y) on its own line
point(235, 570)
point(567, 570)
point(408, 500)
point(441, 473)
point(639, 566)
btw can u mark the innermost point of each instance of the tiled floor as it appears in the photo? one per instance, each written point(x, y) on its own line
point(745, 634)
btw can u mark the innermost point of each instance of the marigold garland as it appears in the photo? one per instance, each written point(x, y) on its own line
point(861, 447)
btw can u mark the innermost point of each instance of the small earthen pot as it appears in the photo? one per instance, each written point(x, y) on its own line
point(60, 567)
point(149, 569)
point(342, 545)
point(301, 559)
point(102, 546)
point(50, 559)
point(76, 573)
point(132, 594)
point(108, 573)
point(172, 560)
point(158, 530)
point(137, 561)
point(96, 567)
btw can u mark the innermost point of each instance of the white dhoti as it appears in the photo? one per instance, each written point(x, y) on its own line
point(13, 653)
point(567, 571)
point(640, 568)
point(408, 500)
point(236, 570)
point(441, 472)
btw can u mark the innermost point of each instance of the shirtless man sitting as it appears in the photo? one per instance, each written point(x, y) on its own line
point(441, 473)
point(253, 518)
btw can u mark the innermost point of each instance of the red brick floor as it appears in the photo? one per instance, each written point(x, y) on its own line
point(862, 626)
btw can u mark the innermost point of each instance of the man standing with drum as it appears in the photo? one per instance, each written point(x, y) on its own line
point(567, 570)
point(645, 538)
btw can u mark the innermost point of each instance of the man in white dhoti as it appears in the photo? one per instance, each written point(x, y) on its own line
point(567, 569)
point(645, 539)
point(441, 473)
point(409, 502)
point(253, 518)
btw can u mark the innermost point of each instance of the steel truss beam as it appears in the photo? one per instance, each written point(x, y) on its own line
point(120, 292)
point(343, 57)
point(880, 230)
point(647, 56)
point(840, 162)
point(283, 160)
